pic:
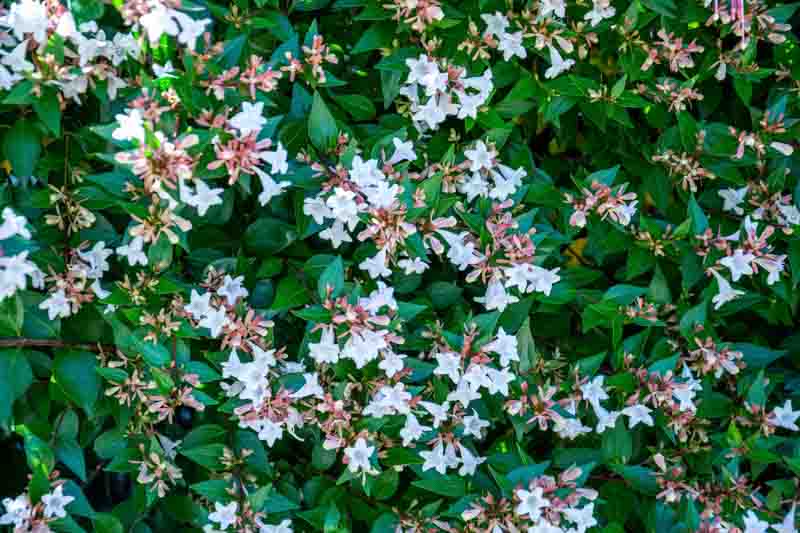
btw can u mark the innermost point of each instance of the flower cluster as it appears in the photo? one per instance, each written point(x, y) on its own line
point(399, 266)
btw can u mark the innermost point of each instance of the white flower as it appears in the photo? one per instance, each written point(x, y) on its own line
point(311, 387)
point(343, 207)
point(191, 29)
point(15, 60)
point(158, 21)
point(284, 527)
point(774, 267)
point(496, 297)
point(198, 305)
point(376, 266)
point(131, 126)
point(250, 118)
point(316, 209)
point(13, 270)
point(556, 7)
point(593, 391)
point(28, 16)
point(637, 414)
point(57, 305)
point(215, 320)
point(278, 160)
point(232, 289)
point(570, 428)
point(164, 71)
point(583, 518)
point(732, 198)
point(13, 225)
point(403, 151)
point(740, 263)
point(438, 412)
point(787, 526)
point(495, 24)
point(204, 197)
point(326, 350)
point(505, 346)
point(752, 524)
point(133, 252)
point(558, 64)
point(413, 266)
point(498, 380)
point(600, 10)
point(392, 363)
point(469, 462)
point(18, 511)
point(97, 260)
point(531, 503)
point(511, 45)
point(473, 425)
point(336, 234)
point(358, 456)
point(606, 419)
point(412, 430)
point(726, 292)
point(54, 503)
point(101, 293)
point(481, 157)
point(224, 515)
point(782, 148)
point(431, 114)
point(435, 459)
point(785, 417)
point(448, 364)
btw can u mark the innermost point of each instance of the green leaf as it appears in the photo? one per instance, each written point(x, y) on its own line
point(379, 35)
point(71, 454)
point(450, 486)
point(74, 372)
point(357, 106)
point(332, 277)
point(207, 455)
point(49, 111)
point(267, 236)
point(290, 293)
point(22, 147)
point(107, 523)
point(322, 129)
point(15, 378)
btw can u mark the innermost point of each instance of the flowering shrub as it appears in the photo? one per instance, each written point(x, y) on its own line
point(399, 266)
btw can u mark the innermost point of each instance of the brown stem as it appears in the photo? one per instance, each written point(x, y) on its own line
point(21, 342)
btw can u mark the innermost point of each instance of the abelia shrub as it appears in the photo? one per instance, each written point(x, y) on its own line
point(399, 266)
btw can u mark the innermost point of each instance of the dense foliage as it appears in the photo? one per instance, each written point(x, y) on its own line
point(399, 266)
